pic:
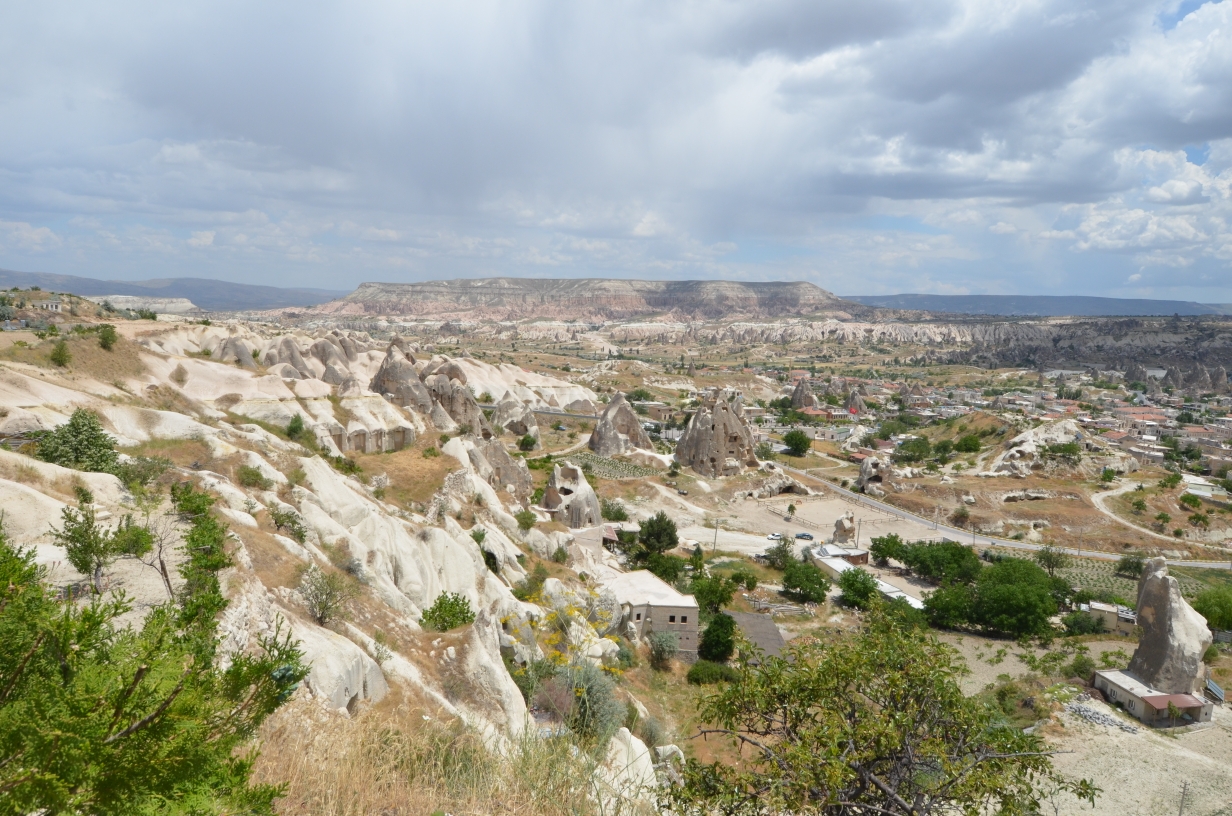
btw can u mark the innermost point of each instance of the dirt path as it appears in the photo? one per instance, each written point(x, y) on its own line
point(1097, 499)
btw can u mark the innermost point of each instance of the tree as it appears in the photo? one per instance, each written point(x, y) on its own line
point(295, 428)
point(1215, 604)
point(60, 355)
point(613, 510)
point(1139, 506)
point(1190, 500)
point(325, 594)
point(100, 716)
point(449, 611)
point(1162, 519)
point(805, 583)
point(81, 444)
point(1014, 597)
point(107, 336)
point(1131, 565)
point(885, 547)
point(968, 444)
point(663, 647)
point(527, 443)
point(658, 533)
point(718, 642)
point(797, 442)
point(874, 723)
point(764, 451)
point(915, 449)
point(942, 562)
point(950, 606)
point(92, 548)
point(1052, 559)
point(713, 593)
point(781, 554)
point(859, 588)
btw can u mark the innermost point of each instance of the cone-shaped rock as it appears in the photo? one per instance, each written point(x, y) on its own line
point(619, 430)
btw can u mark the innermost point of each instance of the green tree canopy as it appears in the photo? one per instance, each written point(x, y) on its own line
point(81, 444)
point(943, 562)
point(1215, 604)
point(797, 442)
point(805, 583)
point(872, 723)
point(859, 588)
point(1015, 597)
point(885, 547)
point(718, 642)
point(658, 533)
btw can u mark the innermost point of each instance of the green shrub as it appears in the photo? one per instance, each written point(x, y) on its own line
point(1211, 654)
point(326, 594)
point(1082, 623)
point(859, 588)
point(525, 519)
point(430, 452)
point(527, 443)
point(805, 583)
point(295, 428)
point(1215, 604)
point(529, 588)
point(140, 471)
point(249, 476)
point(706, 673)
point(718, 642)
point(1082, 666)
point(560, 555)
point(663, 647)
point(344, 464)
point(60, 355)
point(449, 611)
point(613, 510)
point(107, 336)
point(797, 442)
point(969, 443)
point(744, 577)
point(290, 521)
point(81, 444)
point(595, 713)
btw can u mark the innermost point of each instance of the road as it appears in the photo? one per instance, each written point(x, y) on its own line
point(978, 540)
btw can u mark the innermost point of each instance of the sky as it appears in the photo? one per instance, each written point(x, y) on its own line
point(871, 147)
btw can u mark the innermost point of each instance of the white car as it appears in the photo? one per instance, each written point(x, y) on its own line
point(775, 537)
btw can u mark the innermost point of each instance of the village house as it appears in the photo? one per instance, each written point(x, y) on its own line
point(1148, 704)
point(649, 604)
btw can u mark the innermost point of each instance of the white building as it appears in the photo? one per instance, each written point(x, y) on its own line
point(650, 604)
point(1148, 704)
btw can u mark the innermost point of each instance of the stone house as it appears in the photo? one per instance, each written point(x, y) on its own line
point(1116, 619)
point(649, 604)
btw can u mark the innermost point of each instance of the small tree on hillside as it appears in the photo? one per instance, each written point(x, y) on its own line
point(658, 533)
point(718, 642)
point(859, 588)
point(107, 336)
point(92, 548)
point(326, 594)
point(60, 355)
point(797, 442)
point(1052, 559)
point(81, 444)
point(1131, 565)
point(663, 647)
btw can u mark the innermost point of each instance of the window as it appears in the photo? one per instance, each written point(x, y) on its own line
point(639, 615)
point(684, 618)
point(671, 618)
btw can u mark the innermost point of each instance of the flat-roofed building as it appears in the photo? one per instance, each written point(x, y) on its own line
point(650, 604)
point(1150, 705)
point(1116, 619)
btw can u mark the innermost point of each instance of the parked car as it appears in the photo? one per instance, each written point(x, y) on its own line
point(775, 537)
point(805, 536)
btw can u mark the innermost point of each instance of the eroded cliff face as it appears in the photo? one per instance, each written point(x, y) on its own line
point(587, 299)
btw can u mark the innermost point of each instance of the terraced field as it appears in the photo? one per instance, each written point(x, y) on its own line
point(606, 468)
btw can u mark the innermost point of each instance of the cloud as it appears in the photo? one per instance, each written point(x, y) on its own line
point(332, 143)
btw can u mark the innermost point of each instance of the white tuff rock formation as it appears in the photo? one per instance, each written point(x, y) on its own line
point(717, 441)
point(1174, 636)
point(619, 430)
point(569, 498)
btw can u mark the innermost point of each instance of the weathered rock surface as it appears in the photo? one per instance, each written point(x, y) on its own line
point(512, 416)
point(801, 397)
point(398, 381)
point(1174, 636)
point(570, 498)
point(619, 430)
point(874, 470)
point(717, 441)
point(844, 528)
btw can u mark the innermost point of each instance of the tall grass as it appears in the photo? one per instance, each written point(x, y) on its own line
point(397, 762)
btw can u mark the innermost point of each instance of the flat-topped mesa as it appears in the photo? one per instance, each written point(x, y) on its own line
point(1174, 636)
point(619, 430)
point(718, 440)
point(590, 299)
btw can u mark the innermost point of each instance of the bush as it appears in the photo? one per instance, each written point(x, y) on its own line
point(718, 642)
point(430, 452)
point(525, 519)
point(81, 444)
point(595, 712)
point(527, 443)
point(764, 451)
point(326, 594)
point(859, 588)
point(781, 555)
point(295, 428)
point(797, 442)
point(60, 355)
point(744, 577)
point(706, 673)
point(969, 443)
point(449, 611)
point(107, 336)
point(249, 476)
point(1082, 623)
point(141, 470)
point(529, 588)
point(885, 547)
point(1211, 654)
point(663, 647)
point(561, 555)
point(658, 533)
point(1082, 666)
point(805, 583)
point(1215, 604)
point(290, 521)
point(613, 510)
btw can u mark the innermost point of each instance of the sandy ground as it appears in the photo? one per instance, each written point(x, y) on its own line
point(988, 658)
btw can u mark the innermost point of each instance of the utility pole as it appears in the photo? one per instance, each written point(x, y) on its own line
point(1184, 793)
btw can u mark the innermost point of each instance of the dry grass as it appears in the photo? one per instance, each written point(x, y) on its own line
point(182, 452)
point(401, 758)
point(89, 359)
point(413, 478)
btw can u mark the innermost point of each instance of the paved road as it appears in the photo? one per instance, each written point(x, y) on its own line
point(978, 540)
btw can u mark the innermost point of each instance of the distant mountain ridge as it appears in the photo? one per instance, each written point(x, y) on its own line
point(205, 293)
point(1041, 305)
point(589, 299)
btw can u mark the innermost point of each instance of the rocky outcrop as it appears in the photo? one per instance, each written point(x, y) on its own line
point(1174, 636)
point(619, 430)
point(457, 401)
point(498, 468)
point(802, 397)
point(512, 416)
point(717, 441)
point(398, 381)
point(569, 498)
point(492, 689)
point(844, 528)
point(874, 470)
point(855, 403)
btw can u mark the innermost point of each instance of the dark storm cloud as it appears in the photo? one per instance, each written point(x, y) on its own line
point(325, 143)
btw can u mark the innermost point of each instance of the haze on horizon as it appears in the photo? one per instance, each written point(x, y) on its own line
point(944, 146)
